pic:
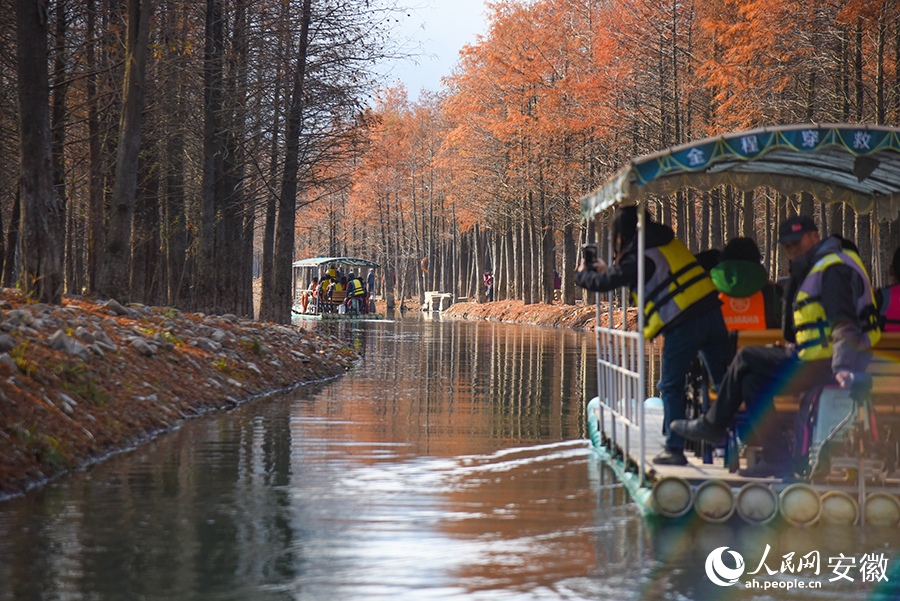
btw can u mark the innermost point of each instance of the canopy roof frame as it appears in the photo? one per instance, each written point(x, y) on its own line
point(854, 163)
point(322, 261)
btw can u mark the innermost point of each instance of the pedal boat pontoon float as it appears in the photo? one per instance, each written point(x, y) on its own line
point(856, 164)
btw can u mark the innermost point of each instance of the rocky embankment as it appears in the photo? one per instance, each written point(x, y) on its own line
point(85, 379)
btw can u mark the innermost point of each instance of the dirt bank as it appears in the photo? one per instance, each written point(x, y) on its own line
point(86, 379)
point(573, 316)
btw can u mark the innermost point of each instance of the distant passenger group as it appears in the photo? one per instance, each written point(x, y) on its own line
point(338, 293)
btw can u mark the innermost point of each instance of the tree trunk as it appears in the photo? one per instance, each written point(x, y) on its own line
point(879, 73)
point(682, 231)
point(114, 272)
point(480, 265)
point(174, 227)
point(864, 240)
point(781, 203)
point(58, 136)
point(705, 208)
point(96, 209)
point(716, 239)
point(10, 271)
point(849, 223)
point(42, 276)
point(858, 70)
point(748, 218)
point(835, 218)
point(569, 263)
point(205, 280)
point(462, 253)
point(549, 271)
point(729, 221)
point(233, 287)
point(145, 238)
point(770, 238)
point(527, 276)
point(512, 267)
point(278, 307)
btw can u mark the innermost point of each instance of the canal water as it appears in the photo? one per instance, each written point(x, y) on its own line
point(450, 463)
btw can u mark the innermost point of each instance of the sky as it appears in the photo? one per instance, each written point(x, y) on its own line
point(441, 28)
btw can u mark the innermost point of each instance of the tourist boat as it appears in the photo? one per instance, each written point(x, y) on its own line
point(849, 163)
point(303, 272)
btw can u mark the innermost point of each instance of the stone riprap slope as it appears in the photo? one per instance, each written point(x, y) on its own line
point(88, 378)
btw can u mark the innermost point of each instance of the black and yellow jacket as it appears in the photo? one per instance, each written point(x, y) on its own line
point(669, 300)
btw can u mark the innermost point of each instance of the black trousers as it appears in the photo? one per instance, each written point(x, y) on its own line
point(757, 375)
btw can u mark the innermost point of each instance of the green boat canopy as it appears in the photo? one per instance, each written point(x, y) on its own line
point(321, 261)
point(857, 164)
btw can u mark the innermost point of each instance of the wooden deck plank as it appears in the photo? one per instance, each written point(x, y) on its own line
point(695, 472)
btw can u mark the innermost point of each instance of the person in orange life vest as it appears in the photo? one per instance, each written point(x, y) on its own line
point(680, 303)
point(749, 300)
point(888, 299)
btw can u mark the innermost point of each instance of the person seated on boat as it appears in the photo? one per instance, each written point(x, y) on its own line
point(749, 300)
point(888, 299)
point(314, 293)
point(356, 293)
point(708, 258)
point(309, 295)
point(681, 304)
point(830, 323)
point(339, 293)
point(323, 295)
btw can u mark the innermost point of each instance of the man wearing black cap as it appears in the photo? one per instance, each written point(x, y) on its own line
point(830, 323)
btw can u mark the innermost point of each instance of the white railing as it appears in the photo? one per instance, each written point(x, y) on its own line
point(621, 360)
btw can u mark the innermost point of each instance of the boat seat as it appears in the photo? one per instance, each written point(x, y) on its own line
point(334, 301)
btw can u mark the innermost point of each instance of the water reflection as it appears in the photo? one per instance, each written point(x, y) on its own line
point(450, 463)
point(468, 385)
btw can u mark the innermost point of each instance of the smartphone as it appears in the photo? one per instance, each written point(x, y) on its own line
point(589, 252)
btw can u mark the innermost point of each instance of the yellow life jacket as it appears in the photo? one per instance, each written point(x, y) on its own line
point(355, 288)
point(678, 282)
point(811, 325)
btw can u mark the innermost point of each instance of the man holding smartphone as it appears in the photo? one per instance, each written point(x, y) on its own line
point(681, 304)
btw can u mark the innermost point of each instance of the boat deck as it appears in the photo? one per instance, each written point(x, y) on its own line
point(335, 316)
point(695, 472)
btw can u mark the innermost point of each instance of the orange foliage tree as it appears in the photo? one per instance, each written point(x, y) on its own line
point(557, 94)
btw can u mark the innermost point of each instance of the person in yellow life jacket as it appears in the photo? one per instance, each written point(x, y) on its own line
point(888, 299)
point(680, 303)
point(830, 324)
point(356, 291)
point(338, 288)
point(323, 294)
point(749, 300)
point(355, 286)
point(324, 287)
